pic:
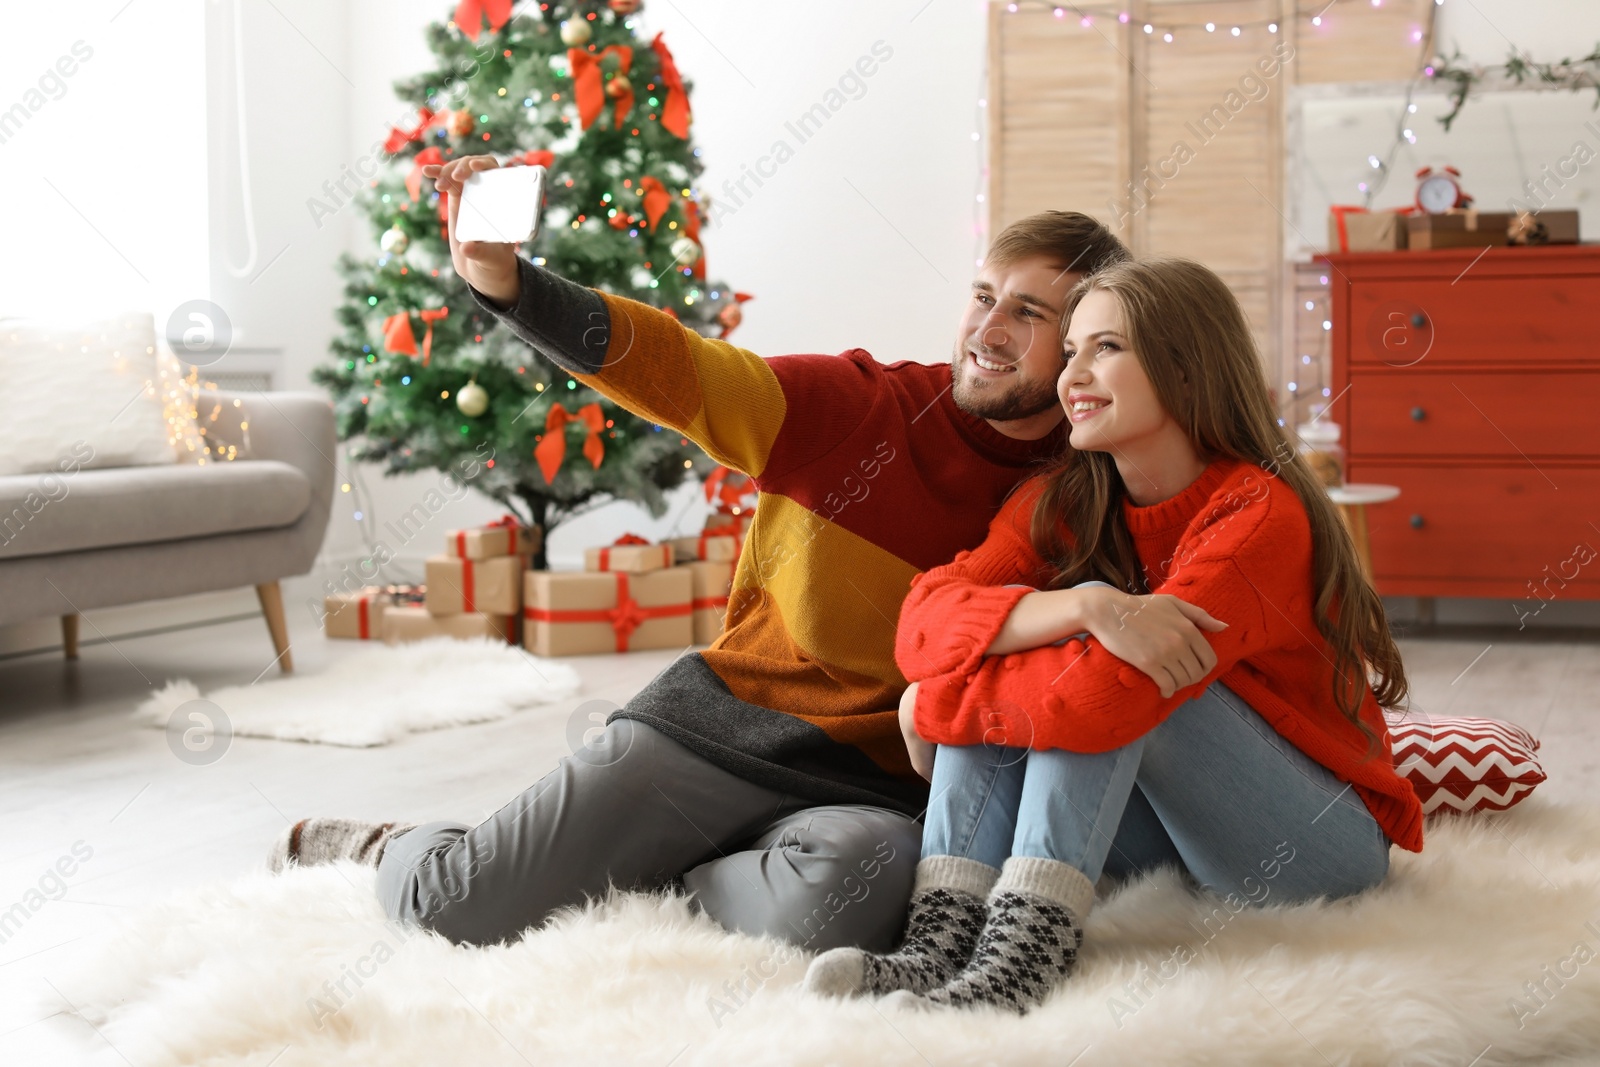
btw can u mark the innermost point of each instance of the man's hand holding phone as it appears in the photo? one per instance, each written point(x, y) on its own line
point(488, 266)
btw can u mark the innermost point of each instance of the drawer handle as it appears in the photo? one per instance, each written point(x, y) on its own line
point(1416, 522)
point(1417, 414)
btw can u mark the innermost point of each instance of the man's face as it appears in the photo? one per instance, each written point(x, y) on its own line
point(1008, 352)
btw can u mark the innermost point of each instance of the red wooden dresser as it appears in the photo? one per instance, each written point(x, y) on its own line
point(1473, 384)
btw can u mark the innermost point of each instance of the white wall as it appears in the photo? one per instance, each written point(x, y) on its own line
point(103, 174)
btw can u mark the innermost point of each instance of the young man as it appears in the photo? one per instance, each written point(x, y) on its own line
point(767, 774)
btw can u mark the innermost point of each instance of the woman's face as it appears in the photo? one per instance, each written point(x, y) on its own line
point(1109, 401)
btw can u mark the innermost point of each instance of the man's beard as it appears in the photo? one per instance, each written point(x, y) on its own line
point(1018, 400)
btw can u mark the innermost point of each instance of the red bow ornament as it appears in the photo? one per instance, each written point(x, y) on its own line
point(470, 15)
point(399, 138)
point(656, 199)
point(588, 83)
point(398, 338)
point(675, 114)
point(553, 449)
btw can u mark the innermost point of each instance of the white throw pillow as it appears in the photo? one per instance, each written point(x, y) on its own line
point(86, 391)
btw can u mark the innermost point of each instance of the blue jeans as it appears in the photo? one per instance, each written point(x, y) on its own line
point(1213, 789)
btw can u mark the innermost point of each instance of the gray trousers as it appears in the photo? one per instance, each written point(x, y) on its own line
point(637, 810)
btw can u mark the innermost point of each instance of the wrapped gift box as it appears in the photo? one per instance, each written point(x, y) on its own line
point(584, 612)
point(410, 622)
point(1468, 228)
point(1355, 229)
point(492, 586)
point(502, 538)
point(632, 555)
point(358, 616)
point(711, 583)
point(715, 548)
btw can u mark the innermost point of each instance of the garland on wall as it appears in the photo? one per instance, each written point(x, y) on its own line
point(1518, 71)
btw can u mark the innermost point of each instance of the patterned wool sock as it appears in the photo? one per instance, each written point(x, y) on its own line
point(1030, 941)
point(313, 841)
point(945, 917)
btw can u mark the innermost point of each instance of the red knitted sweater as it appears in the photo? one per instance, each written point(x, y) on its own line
point(1238, 544)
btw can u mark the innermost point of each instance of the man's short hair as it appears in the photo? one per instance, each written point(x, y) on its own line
point(1070, 239)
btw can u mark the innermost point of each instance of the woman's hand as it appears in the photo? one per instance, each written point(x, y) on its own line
point(921, 751)
point(1159, 635)
point(489, 267)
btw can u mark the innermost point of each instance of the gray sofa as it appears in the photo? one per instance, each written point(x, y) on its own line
point(102, 537)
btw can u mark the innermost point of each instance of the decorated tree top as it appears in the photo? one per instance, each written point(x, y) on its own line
point(422, 377)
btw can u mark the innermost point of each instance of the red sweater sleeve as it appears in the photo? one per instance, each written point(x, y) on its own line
point(954, 612)
point(1245, 566)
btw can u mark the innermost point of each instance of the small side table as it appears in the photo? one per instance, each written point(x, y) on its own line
point(1352, 500)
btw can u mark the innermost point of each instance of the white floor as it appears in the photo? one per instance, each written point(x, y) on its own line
point(75, 773)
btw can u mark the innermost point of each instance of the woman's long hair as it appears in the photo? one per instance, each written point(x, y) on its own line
point(1189, 334)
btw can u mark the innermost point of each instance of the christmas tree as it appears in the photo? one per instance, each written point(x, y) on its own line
point(572, 87)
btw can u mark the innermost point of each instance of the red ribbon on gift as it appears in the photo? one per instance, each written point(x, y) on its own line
point(553, 449)
point(588, 83)
point(1339, 211)
point(625, 539)
point(512, 523)
point(399, 138)
point(428, 156)
point(720, 494)
point(363, 617)
point(470, 15)
point(675, 114)
point(729, 531)
point(656, 199)
point(701, 603)
point(626, 617)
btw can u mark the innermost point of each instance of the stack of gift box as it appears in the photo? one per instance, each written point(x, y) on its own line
point(633, 595)
point(474, 589)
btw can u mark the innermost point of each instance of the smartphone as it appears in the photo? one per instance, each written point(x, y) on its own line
point(503, 205)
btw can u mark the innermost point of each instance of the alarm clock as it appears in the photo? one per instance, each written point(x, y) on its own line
point(1438, 191)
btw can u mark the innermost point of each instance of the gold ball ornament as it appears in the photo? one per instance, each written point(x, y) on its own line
point(394, 241)
point(462, 123)
point(685, 250)
point(618, 87)
point(575, 33)
point(472, 400)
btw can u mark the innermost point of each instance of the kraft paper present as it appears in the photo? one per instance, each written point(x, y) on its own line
point(575, 613)
point(488, 542)
point(408, 622)
point(628, 557)
point(358, 616)
point(355, 616)
point(712, 582)
point(1353, 229)
point(491, 586)
point(1465, 228)
point(715, 548)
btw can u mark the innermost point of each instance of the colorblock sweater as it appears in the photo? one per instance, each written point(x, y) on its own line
point(868, 474)
point(1237, 543)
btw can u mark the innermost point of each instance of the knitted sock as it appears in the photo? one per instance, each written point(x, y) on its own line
point(946, 915)
point(313, 841)
point(1030, 940)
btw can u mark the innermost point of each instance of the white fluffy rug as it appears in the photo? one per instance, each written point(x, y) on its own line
point(1429, 969)
point(381, 692)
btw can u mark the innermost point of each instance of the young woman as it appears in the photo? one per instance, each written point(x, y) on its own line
point(1164, 652)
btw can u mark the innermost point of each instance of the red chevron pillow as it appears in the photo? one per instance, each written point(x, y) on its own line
point(1462, 765)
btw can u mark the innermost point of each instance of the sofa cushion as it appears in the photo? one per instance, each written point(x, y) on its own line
point(44, 514)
